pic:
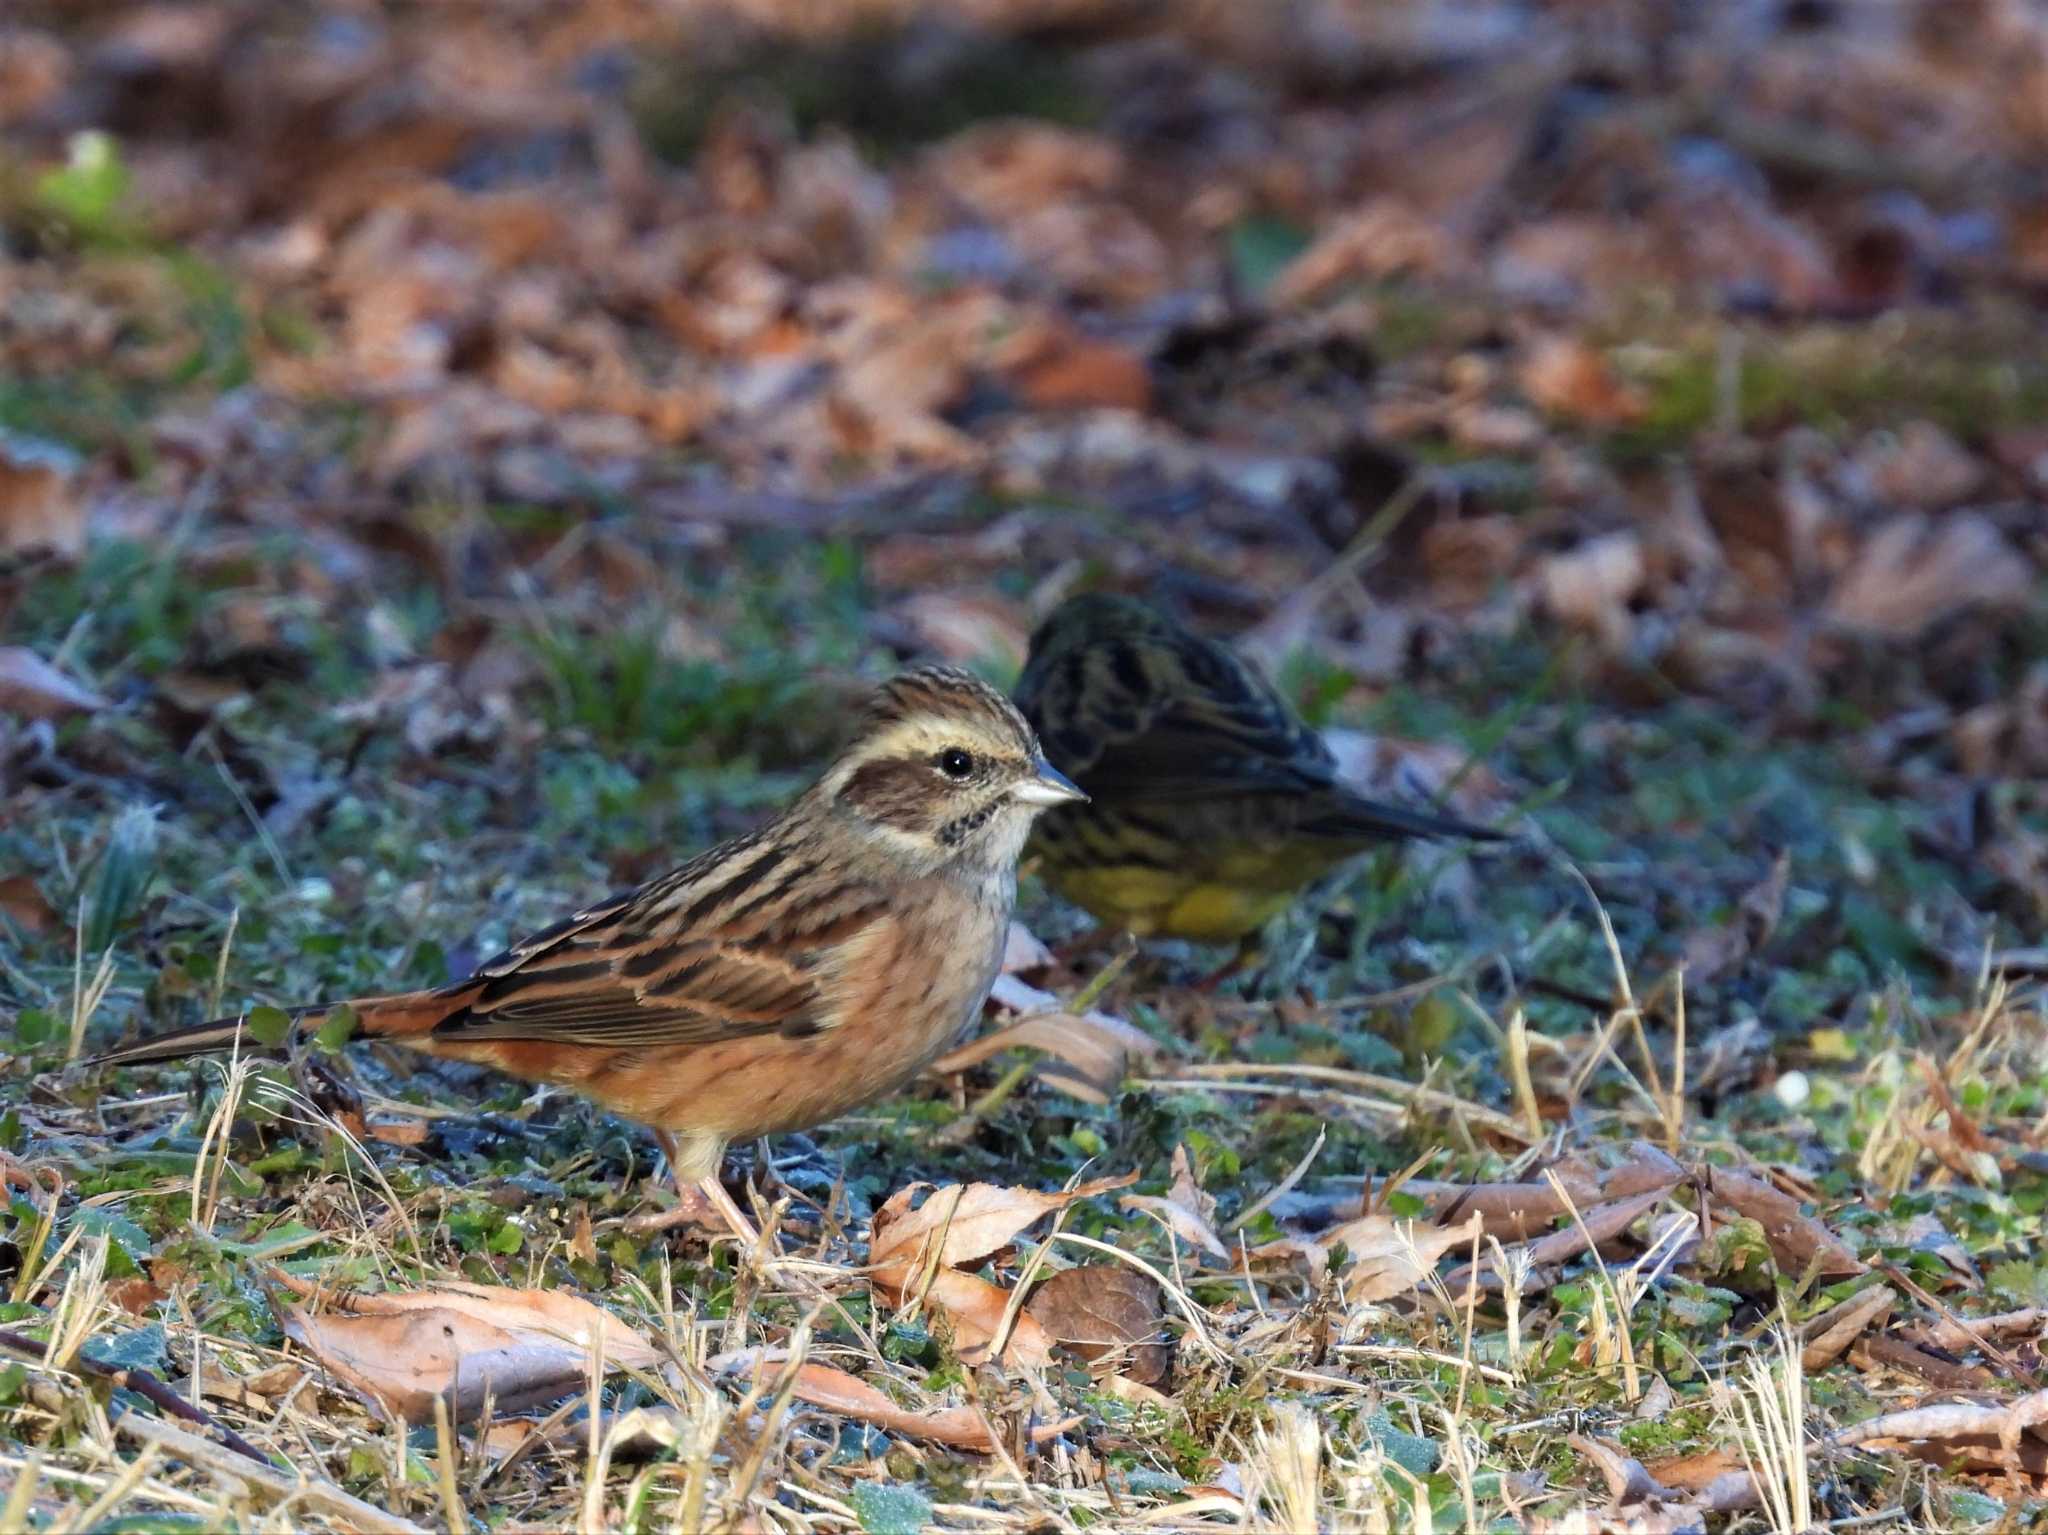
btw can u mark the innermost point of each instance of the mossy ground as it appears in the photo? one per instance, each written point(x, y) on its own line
point(304, 849)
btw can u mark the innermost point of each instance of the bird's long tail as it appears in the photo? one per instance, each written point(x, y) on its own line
point(412, 1012)
point(1355, 816)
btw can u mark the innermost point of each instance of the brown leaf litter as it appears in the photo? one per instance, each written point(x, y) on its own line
point(1088, 1054)
point(915, 1258)
point(34, 689)
point(1107, 1314)
point(465, 1344)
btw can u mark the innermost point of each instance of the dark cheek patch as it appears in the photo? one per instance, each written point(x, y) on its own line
point(894, 791)
point(1129, 667)
point(955, 831)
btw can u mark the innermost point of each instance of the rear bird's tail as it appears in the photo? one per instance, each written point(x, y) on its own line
point(413, 1012)
point(1373, 820)
point(194, 1039)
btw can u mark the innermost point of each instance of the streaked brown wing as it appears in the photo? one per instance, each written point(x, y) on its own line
point(725, 947)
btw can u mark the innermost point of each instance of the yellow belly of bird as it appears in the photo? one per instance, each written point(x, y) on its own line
point(1213, 906)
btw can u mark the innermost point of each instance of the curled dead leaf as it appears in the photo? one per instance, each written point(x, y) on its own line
point(34, 689)
point(1796, 1239)
point(1590, 587)
point(1052, 366)
point(40, 508)
point(915, 1258)
point(975, 1308)
point(1829, 1335)
point(1960, 1337)
point(1914, 571)
point(965, 1223)
point(1990, 1436)
point(1714, 951)
point(1517, 1212)
point(1919, 467)
point(1090, 1053)
point(1627, 1480)
point(1566, 377)
point(22, 903)
point(823, 1385)
point(1599, 1223)
point(1022, 950)
point(1384, 237)
point(1186, 1211)
point(1387, 1257)
point(1719, 1482)
point(462, 1343)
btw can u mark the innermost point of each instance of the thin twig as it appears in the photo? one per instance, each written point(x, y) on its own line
point(1265, 1201)
point(144, 1385)
point(1430, 1098)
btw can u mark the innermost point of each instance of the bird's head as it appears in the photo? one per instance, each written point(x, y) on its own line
point(1100, 665)
point(943, 770)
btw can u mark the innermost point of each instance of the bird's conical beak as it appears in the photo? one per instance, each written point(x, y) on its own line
point(1047, 785)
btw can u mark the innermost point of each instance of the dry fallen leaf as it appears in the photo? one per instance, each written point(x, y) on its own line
point(462, 1342)
point(22, 903)
point(914, 1258)
point(1627, 1480)
point(33, 688)
point(40, 508)
point(1052, 366)
point(836, 1391)
point(1714, 951)
point(1915, 571)
point(1796, 1239)
point(1023, 951)
point(1090, 1054)
point(964, 1223)
point(1829, 1335)
point(1388, 1257)
point(1106, 1313)
point(968, 626)
point(975, 1308)
point(1518, 1212)
point(1717, 1481)
point(1985, 1436)
point(1919, 467)
point(1383, 237)
point(1187, 1211)
point(1566, 377)
point(1590, 587)
point(1597, 1224)
point(2023, 1325)
point(1640, 1503)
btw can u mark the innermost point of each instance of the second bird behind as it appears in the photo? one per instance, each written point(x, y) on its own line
point(1211, 804)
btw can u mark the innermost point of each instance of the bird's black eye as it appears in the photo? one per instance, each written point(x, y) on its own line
point(955, 763)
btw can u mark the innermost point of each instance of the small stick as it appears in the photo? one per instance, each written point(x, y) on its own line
point(144, 1385)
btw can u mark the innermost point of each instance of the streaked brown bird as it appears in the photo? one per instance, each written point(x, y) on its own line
point(778, 980)
point(1210, 803)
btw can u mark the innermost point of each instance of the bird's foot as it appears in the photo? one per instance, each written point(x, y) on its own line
point(1237, 964)
point(701, 1208)
point(1081, 945)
